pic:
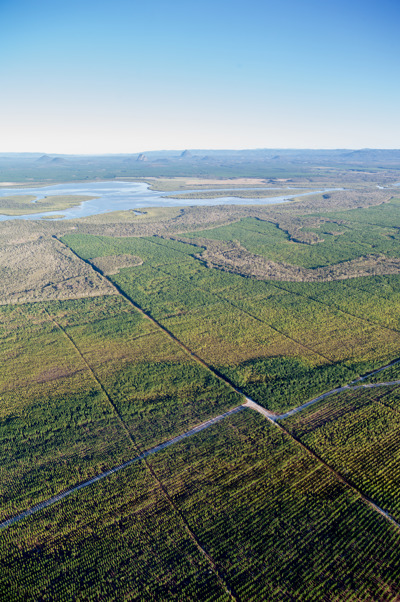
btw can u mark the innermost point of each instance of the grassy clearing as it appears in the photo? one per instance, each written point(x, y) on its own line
point(172, 184)
point(240, 194)
point(232, 257)
point(30, 204)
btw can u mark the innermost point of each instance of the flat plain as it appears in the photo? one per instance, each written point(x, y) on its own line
point(121, 332)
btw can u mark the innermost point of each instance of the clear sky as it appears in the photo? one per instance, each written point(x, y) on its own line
point(95, 76)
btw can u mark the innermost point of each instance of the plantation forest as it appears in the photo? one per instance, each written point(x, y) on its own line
point(155, 365)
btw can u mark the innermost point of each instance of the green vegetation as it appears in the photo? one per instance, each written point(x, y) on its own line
point(114, 263)
point(93, 358)
point(29, 204)
point(388, 375)
point(348, 240)
point(286, 303)
point(281, 343)
point(357, 433)
point(274, 523)
point(56, 424)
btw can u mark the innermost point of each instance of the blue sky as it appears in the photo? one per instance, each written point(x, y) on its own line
point(127, 76)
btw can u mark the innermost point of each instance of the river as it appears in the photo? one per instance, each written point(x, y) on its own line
point(121, 196)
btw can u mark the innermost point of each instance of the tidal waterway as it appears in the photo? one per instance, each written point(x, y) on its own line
point(123, 196)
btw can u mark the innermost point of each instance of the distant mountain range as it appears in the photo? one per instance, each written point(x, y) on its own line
point(225, 163)
point(331, 155)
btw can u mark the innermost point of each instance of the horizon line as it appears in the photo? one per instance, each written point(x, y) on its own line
point(171, 150)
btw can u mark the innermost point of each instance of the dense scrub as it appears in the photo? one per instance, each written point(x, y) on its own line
point(39, 269)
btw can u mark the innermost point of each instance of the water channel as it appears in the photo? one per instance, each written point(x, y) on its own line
point(123, 196)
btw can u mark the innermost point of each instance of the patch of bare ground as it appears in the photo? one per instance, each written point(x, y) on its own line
point(55, 373)
point(254, 193)
point(43, 269)
point(112, 264)
point(232, 257)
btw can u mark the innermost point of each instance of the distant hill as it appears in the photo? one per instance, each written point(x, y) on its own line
point(59, 161)
point(44, 159)
point(373, 155)
point(48, 160)
point(263, 163)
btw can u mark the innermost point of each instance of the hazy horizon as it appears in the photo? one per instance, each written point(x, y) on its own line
point(198, 150)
